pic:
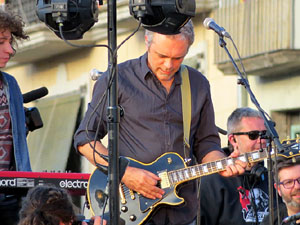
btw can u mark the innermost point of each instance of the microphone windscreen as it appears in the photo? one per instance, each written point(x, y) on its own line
point(206, 22)
point(35, 94)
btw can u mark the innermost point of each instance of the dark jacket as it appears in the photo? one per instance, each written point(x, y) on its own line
point(234, 200)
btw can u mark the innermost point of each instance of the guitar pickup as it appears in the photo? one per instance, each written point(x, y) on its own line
point(164, 183)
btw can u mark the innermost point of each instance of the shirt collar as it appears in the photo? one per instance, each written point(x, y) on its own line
point(144, 66)
point(146, 70)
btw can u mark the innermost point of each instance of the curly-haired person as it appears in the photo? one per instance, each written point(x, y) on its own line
point(47, 205)
point(13, 26)
point(14, 152)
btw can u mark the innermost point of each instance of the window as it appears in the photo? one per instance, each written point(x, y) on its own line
point(287, 123)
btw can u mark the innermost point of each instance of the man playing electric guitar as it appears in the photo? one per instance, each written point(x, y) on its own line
point(149, 92)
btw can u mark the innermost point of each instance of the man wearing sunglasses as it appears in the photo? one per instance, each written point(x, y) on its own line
point(242, 199)
point(288, 186)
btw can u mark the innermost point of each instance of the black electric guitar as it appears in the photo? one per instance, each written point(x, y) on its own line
point(136, 209)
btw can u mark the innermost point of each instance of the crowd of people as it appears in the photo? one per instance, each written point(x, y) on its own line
point(149, 91)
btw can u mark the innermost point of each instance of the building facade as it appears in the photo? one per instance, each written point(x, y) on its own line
point(265, 33)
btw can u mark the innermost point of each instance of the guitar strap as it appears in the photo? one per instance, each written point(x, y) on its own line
point(187, 115)
point(186, 110)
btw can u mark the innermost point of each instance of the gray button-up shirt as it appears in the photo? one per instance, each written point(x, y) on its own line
point(152, 123)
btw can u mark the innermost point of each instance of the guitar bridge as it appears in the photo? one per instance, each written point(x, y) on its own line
point(164, 183)
point(132, 196)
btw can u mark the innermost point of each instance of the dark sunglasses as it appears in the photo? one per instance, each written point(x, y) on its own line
point(253, 135)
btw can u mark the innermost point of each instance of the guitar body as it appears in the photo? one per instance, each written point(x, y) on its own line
point(170, 167)
point(135, 208)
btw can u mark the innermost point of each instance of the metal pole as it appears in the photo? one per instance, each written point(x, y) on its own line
point(113, 116)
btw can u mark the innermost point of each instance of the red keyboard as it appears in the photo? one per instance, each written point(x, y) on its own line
point(17, 182)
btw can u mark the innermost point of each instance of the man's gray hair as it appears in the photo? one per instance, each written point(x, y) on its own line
point(187, 31)
point(234, 120)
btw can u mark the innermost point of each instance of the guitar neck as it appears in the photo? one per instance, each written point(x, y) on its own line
point(193, 172)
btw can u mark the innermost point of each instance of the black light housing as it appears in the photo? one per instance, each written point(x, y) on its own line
point(163, 16)
point(77, 16)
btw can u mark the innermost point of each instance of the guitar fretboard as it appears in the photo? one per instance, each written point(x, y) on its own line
point(193, 172)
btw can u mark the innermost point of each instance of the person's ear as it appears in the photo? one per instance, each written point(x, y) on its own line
point(232, 139)
point(146, 41)
point(278, 189)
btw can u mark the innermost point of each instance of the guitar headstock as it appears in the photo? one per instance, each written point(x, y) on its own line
point(291, 148)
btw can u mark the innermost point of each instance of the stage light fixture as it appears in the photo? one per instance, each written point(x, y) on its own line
point(77, 16)
point(163, 16)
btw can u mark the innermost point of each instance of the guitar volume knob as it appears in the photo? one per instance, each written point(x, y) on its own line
point(132, 217)
point(124, 209)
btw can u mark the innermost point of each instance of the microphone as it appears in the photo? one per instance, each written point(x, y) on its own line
point(95, 74)
point(35, 94)
point(291, 218)
point(209, 23)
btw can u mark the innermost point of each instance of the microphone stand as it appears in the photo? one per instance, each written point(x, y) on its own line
point(271, 132)
point(113, 118)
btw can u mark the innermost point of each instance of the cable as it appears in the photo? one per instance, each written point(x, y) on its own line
point(103, 210)
point(104, 95)
point(109, 83)
point(126, 39)
point(60, 26)
point(240, 60)
point(246, 80)
point(252, 197)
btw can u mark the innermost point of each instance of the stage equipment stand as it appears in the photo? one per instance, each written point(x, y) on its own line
point(113, 117)
point(271, 134)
